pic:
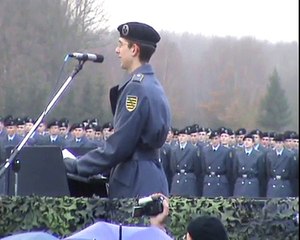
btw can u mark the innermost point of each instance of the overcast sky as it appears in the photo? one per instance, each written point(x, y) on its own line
point(271, 20)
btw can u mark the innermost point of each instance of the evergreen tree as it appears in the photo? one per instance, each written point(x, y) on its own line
point(274, 109)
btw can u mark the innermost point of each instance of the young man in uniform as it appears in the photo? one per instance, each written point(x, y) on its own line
point(141, 122)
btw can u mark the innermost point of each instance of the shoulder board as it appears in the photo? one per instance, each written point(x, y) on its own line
point(137, 77)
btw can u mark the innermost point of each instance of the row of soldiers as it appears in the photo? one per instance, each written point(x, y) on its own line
point(86, 134)
point(197, 161)
point(214, 163)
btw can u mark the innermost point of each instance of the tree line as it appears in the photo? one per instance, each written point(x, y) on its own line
point(212, 81)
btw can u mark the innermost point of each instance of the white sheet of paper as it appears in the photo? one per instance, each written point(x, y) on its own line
point(67, 154)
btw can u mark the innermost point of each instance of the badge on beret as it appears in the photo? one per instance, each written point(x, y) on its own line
point(131, 102)
point(125, 30)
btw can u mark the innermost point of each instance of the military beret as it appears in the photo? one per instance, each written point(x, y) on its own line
point(194, 129)
point(10, 122)
point(78, 125)
point(20, 121)
point(240, 131)
point(185, 130)
point(108, 125)
point(63, 124)
point(52, 123)
point(296, 136)
point(257, 132)
point(265, 134)
point(86, 122)
point(223, 130)
point(249, 135)
point(29, 120)
point(139, 32)
point(272, 134)
point(230, 131)
point(175, 131)
point(98, 128)
point(202, 129)
point(64, 120)
point(279, 137)
point(90, 126)
point(214, 133)
point(289, 134)
point(207, 227)
point(94, 121)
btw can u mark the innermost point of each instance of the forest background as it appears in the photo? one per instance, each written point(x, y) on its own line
point(211, 81)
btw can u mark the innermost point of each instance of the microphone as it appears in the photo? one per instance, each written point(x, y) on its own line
point(87, 57)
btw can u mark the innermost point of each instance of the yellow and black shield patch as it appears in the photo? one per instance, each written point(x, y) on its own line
point(131, 102)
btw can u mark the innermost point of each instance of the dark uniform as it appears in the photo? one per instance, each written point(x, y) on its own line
point(248, 172)
point(79, 141)
point(141, 124)
point(186, 169)
point(52, 139)
point(281, 172)
point(217, 171)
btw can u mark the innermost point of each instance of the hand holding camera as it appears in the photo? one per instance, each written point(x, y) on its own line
point(156, 206)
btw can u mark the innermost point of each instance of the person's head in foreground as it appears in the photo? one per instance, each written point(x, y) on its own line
point(206, 228)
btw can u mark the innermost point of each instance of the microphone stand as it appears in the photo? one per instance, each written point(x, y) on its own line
point(18, 148)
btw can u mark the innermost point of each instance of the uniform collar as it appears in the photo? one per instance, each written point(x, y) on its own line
point(144, 69)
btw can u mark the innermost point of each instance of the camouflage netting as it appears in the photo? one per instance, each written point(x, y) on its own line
point(243, 218)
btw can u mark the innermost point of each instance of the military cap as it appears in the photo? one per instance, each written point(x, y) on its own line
point(86, 122)
point(249, 135)
point(214, 133)
point(265, 134)
point(7, 118)
point(64, 120)
point(176, 131)
point(230, 131)
point(272, 134)
point(194, 129)
point(296, 136)
point(196, 126)
point(90, 126)
point(185, 130)
point(62, 123)
point(289, 134)
point(257, 132)
point(29, 120)
point(98, 128)
point(52, 123)
point(20, 121)
point(94, 121)
point(107, 125)
point(207, 227)
point(223, 130)
point(139, 32)
point(279, 137)
point(202, 129)
point(240, 131)
point(78, 125)
point(10, 122)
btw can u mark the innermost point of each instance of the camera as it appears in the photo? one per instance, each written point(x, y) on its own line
point(148, 206)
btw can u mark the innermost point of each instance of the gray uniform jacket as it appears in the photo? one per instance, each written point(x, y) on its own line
point(248, 173)
point(141, 124)
point(281, 173)
point(218, 172)
point(186, 171)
